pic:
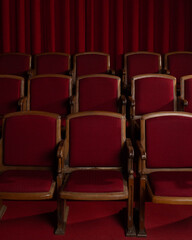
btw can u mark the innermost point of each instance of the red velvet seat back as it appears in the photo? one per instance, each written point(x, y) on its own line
point(141, 63)
point(15, 64)
point(153, 94)
point(188, 94)
point(95, 140)
point(29, 140)
point(180, 64)
point(91, 64)
point(50, 93)
point(98, 93)
point(168, 142)
point(51, 63)
point(11, 90)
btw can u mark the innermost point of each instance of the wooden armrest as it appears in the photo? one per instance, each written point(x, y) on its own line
point(130, 148)
point(183, 101)
point(111, 71)
point(31, 73)
point(131, 101)
point(60, 155)
point(142, 153)
point(123, 100)
point(60, 150)
point(22, 103)
point(130, 151)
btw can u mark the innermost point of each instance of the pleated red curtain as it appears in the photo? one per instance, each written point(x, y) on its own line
point(111, 26)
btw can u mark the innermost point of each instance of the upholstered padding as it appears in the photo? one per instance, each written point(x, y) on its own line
point(52, 63)
point(29, 140)
point(22, 181)
point(98, 93)
point(180, 64)
point(95, 141)
point(168, 142)
point(49, 94)
point(95, 181)
point(10, 93)
point(91, 64)
point(171, 184)
point(14, 64)
point(141, 64)
point(188, 94)
point(153, 94)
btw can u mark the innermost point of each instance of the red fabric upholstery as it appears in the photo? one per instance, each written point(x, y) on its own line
point(10, 93)
point(168, 141)
point(14, 64)
point(30, 140)
point(95, 141)
point(25, 181)
point(52, 63)
point(141, 64)
point(91, 64)
point(172, 184)
point(188, 94)
point(180, 64)
point(153, 94)
point(49, 94)
point(95, 181)
point(98, 93)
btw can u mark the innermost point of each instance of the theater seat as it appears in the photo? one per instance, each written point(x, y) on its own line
point(97, 163)
point(87, 63)
point(185, 98)
point(165, 160)
point(28, 162)
point(178, 64)
point(151, 93)
point(52, 63)
point(11, 95)
point(15, 64)
point(50, 93)
point(141, 62)
point(99, 92)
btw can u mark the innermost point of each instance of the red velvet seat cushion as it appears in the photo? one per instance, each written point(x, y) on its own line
point(50, 64)
point(188, 94)
point(95, 141)
point(91, 64)
point(172, 184)
point(25, 181)
point(14, 64)
point(49, 94)
point(95, 181)
point(30, 140)
point(168, 141)
point(10, 93)
point(180, 64)
point(98, 94)
point(153, 94)
point(141, 64)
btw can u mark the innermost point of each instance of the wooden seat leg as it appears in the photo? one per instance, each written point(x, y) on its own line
point(2, 209)
point(62, 214)
point(130, 231)
point(142, 232)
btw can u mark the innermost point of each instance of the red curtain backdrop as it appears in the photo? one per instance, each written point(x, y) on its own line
point(111, 26)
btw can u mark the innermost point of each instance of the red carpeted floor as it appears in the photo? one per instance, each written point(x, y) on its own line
point(91, 221)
